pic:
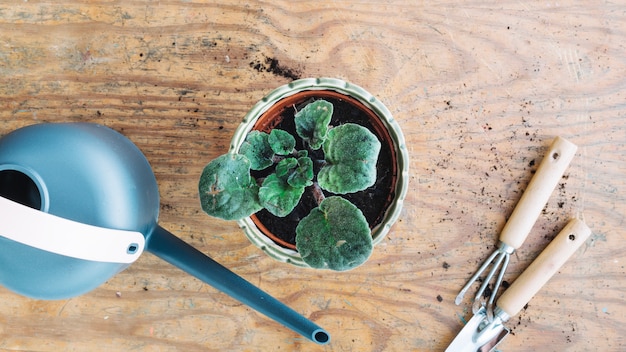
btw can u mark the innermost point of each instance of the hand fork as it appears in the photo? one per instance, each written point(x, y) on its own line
point(522, 219)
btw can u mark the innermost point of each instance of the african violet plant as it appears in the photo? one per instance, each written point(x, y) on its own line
point(335, 235)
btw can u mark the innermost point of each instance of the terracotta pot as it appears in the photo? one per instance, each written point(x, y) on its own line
point(263, 117)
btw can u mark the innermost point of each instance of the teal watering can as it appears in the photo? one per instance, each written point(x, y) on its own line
point(79, 203)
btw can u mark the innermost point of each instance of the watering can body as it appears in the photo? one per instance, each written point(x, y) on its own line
point(82, 172)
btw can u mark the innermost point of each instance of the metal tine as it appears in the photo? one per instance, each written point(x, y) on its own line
point(496, 287)
point(477, 299)
point(503, 254)
point(473, 279)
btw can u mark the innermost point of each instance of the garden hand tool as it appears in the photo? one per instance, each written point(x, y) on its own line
point(522, 219)
point(483, 333)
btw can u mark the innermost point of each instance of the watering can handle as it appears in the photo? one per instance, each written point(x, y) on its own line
point(55, 234)
point(179, 253)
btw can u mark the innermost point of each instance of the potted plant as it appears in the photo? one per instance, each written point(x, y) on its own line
point(316, 174)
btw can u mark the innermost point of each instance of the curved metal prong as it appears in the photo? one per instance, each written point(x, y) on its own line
point(496, 286)
point(476, 275)
point(502, 253)
point(492, 272)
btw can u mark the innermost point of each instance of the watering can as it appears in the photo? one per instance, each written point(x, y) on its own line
point(79, 203)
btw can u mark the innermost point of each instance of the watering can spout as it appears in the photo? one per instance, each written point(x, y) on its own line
point(177, 252)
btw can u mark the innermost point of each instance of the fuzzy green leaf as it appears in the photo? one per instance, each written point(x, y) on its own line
point(257, 149)
point(302, 153)
point(302, 174)
point(334, 235)
point(227, 190)
point(312, 122)
point(285, 167)
point(282, 142)
point(278, 197)
point(296, 172)
point(351, 152)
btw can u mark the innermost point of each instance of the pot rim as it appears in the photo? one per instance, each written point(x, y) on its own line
point(392, 214)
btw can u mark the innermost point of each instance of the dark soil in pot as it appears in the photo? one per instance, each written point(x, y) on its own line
point(373, 201)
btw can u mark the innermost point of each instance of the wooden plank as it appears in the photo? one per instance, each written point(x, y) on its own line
point(479, 88)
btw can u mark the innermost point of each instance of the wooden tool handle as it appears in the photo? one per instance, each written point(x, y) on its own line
point(538, 192)
point(544, 267)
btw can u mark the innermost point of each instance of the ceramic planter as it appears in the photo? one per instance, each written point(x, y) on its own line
point(262, 117)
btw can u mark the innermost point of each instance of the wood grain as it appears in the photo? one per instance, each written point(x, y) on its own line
point(479, 88)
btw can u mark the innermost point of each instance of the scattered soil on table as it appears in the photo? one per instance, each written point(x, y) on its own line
point(371, 201)
point(272, 65)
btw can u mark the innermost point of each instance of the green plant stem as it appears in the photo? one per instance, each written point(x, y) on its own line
point(318, 194)
point(278, 158)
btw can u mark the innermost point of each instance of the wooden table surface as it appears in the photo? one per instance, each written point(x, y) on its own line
point(479, 89)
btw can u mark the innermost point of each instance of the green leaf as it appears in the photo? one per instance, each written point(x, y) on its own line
point(282, 142)
point(285, 167)
point(227, 190)
point(302, 153)
point(302, 174)
point(278, 197)
point(257, 149)
point(334, 235)
point(296, 172)
point(351, 152)
point(312, 122)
